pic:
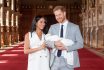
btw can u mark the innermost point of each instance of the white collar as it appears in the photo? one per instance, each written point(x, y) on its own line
point(64, 23)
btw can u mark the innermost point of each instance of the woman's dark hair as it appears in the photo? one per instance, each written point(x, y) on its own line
point(35, 20)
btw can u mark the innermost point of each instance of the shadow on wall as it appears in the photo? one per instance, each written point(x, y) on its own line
point(50, 20)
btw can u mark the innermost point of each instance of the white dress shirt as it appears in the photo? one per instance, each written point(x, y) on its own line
point(67, 55)
point(64, 28)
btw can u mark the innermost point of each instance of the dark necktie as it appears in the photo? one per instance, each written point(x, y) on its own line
point(61, 35)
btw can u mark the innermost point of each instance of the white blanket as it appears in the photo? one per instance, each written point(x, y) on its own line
point(67, 42)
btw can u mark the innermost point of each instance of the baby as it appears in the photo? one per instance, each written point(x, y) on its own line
point(67, 42)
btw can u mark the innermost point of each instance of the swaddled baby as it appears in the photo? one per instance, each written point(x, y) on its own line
point(67, 42)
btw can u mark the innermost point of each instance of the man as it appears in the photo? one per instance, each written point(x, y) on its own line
point(67, 30)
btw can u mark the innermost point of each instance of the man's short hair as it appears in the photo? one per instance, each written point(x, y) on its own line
point(62, 8)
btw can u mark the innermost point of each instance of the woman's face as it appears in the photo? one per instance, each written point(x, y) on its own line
point(40, 24)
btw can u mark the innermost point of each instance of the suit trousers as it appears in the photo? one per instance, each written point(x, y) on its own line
point(60, 63)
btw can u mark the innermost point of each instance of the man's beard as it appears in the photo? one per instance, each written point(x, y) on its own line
point(62, 20)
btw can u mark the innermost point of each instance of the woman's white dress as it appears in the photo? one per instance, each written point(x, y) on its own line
point(38, 60)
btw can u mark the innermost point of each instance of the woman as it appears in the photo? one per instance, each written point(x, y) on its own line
point(35, 47)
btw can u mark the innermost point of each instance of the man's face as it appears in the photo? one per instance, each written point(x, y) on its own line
point(60, 15)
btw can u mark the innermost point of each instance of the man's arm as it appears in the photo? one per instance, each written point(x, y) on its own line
point(78, 43)
point(50, 44)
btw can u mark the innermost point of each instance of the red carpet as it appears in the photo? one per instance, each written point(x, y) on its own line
point(14, 59)
point(90, 61)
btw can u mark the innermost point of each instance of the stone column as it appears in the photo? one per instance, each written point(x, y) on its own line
point(87, 28)
point(17, 39)
point(93, 27)
point(102, 24)
point(84, 26)
point(96, 36)
point(97, 28)
point(2, 25)
point(103, 38)
point(12, 21)
point(83, 23)
point(7, 27)
point(12, 28)
point(12, 4)
point(8, 22)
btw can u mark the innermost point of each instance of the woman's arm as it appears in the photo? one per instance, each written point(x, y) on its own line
point(27, 48)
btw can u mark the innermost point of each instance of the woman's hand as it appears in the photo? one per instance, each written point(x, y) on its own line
point(43, 46)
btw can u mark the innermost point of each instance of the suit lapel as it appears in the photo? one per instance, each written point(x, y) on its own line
point(68, 30)
point(57, 29)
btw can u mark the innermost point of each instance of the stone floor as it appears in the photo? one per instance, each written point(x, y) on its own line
point(9, 47)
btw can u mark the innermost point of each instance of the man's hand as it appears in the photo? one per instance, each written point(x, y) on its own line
point(59, 45)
